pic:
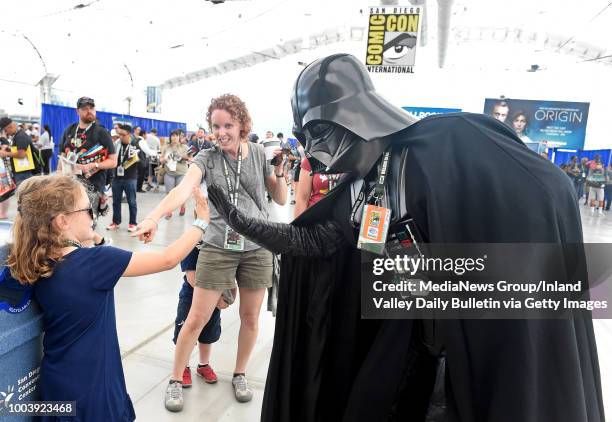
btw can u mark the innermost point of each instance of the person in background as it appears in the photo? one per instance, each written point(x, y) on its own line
point(253, 138)
point(313, 185)
point(45, 145)
point(596, 180)
point(294, 163)
point(7, 182)
point(73, 286)
point(22, 141)
point(174, 158)
point(35, 132)
point(182, 136)
point(578, 175)
point(91, 146)
point(200, 143)
point(125, 178)
point(154, 145)
point(143, 155)
point(584, 162)
point(114, 135)
point(608, 188)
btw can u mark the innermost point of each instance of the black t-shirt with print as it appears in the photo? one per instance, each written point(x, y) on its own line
point(85, 141)
point(124, 153)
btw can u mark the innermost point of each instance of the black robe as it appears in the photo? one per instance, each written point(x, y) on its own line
point(463, 178)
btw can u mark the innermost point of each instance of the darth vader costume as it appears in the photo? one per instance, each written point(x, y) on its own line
point(462, 178)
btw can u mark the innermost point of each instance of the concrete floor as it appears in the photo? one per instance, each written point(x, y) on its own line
point(146, 309)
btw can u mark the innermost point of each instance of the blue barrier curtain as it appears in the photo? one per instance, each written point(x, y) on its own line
point(60, 117)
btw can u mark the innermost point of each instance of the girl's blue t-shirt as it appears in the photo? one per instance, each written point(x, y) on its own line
point(81, 360)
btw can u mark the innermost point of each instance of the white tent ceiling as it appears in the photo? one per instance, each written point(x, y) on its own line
point(113, 49)
point(158, 40)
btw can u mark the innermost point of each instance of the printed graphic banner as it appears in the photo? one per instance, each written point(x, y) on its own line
point(553, 123)
point(392, 38)
point(121, 120)
point(153, 99)
point(422, 112)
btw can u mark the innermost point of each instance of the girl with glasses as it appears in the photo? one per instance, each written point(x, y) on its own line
point(74, 284)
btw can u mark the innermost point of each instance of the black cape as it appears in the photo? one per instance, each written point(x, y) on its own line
point(464, 178)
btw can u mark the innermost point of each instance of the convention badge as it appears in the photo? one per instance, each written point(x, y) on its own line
point(373, 230)
point(233, 240)
point(120, 171)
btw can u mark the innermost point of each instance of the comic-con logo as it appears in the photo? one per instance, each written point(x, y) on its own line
point(6, 397)
point(392, 39)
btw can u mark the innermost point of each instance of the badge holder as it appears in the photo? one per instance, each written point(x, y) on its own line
point(233, 240)
point(373, 230)
point(120, 171)
point(375, 219)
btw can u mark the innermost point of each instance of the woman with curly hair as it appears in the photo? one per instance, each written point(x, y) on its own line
point(227, 258)
point(73, 285)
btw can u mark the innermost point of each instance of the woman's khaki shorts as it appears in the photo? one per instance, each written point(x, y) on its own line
point(220, 269)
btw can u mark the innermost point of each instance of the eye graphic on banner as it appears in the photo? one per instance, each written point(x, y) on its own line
point(392, 39)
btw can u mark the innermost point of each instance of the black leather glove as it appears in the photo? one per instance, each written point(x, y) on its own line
point(320, 240)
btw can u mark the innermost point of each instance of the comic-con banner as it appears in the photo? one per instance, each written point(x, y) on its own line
point(422, 112)
point(554, 123)
point(392, 38)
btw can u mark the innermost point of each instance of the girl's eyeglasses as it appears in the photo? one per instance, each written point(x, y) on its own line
point(89, 210)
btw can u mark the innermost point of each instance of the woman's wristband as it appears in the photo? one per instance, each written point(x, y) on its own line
point(153, 220)
point(201, 224)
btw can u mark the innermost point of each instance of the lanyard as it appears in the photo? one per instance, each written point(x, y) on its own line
point(124, 155)
point(76, 130)
point(377, 193)
point(232, 190)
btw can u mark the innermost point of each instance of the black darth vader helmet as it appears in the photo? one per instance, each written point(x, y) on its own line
point(339, 117)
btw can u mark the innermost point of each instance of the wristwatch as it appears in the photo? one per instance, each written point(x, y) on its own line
point(199, 223)
point(279, 175)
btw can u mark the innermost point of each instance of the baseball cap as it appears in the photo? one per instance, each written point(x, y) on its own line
point(4, 122)
point(83, 101)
